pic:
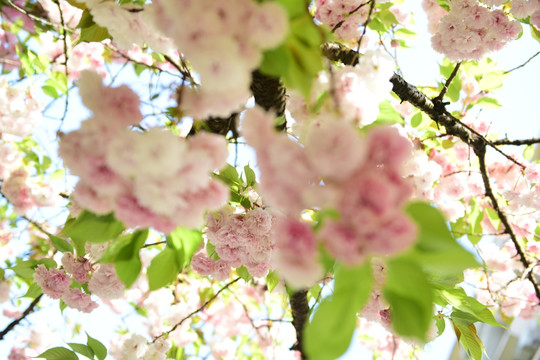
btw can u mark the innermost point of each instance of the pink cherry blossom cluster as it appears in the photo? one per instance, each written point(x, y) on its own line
point(56, 283)
point(136, 347)
point(362, 178)
point(20, 112)
point(434, 14)
point(470, 30)
point(239, 239)
point(499, 285)
point(129, 24)
point(83, 56)
point(350, 14)
point(25, 194)
point(149, 179)
point(358, 91)
point(521, 9)
point(224, 42)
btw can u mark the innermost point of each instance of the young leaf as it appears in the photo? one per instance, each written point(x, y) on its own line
point(163, 269)
point(97, 347)
point(58, 353)
point(185, 242)
point(329, 333)
point(410, 296)
point(82, 349)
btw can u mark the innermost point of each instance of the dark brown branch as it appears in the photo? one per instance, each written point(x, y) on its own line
point(440, 97)
point(516, 142)
point(480, 151)
point(454, 127)
point(28, 311)
point(269, 93)
point(202, 307)
point(300, 311)
point(408, 92)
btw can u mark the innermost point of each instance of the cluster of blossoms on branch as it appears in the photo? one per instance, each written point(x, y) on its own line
point(151, 178)
point(239, 240)
point(224, 42)
point(470, 30)
point(334, 186)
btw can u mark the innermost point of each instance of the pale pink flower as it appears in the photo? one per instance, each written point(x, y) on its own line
point(76, 299)
point(105, 283)
point(296, 256)
point(77, 267)
point(53, 282)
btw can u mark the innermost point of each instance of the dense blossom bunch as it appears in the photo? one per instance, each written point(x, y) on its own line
point(56, 283)
point(499, 285)
point(20, 112)
point(471, 30)
point(224, 43)
point(358, 90)
point(344, 15)
point(336, 168)
point(129, 24)
point(150, 178)
point(239, 239)
point(26, 194)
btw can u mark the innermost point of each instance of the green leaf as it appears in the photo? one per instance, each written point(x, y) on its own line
point(98, 348)
point(436, 250)
point(469, 340)
point(488, 103)
point(243, 272)
point(50, 91)
point(441, 325)
point(185, 242)
point(492, 80)
point(295, 8)
point(58, 353)
point(410, 296)
point(93, 228)
point(275, 61)
point(272, 279)
point(163, 269)
point(82, 349)
point(60, 244)
point(124, 254)
point(388, 115)
point(34, 290)
point(250, 176)
point(329, 333)
point(466, 304)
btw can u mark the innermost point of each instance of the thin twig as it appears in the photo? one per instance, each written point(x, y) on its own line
point(206, 303)
point(522, 65)
point(26, 312)
point(365, 24)
point(440, 97)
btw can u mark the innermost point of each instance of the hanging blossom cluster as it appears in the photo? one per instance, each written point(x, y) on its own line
point(224, 42)
point(149, 179)
point(239, 240)
point(56, 283)
point(335, 168)
point(470, 30)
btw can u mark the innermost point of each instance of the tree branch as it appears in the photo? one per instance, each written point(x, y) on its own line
point(436, 110)
point(28, 311)
point(299, 310)
point(206, 303)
